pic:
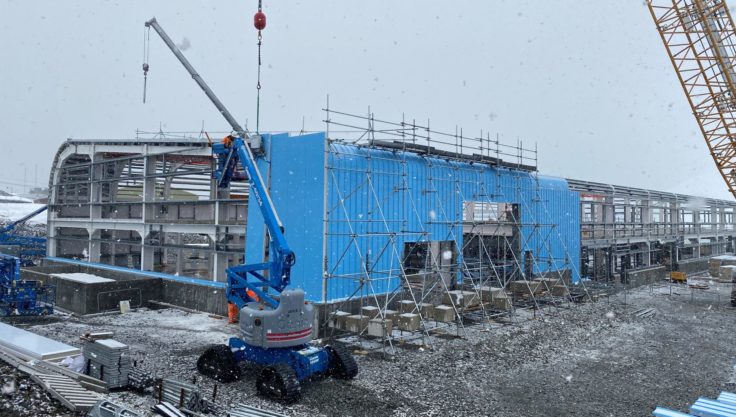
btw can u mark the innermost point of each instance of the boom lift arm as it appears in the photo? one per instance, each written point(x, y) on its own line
point(24, 219)
point(28, 247)
point(236, 149)
point(275, 333)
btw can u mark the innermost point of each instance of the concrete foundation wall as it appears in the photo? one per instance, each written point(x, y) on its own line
point(81, 298)
point(197, 297)
point(645, 276)
point(692, 266)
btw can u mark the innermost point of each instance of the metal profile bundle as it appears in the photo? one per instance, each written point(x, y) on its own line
point(105, 408)
point(109, 361)
point(724, 406)
point(140, 380)
point(176, 392)
point(167, 410)
point(713, 408)
point(247, 411)
point(86, 381)
point(69, 392)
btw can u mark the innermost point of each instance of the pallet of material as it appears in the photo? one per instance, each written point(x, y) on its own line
point(716, 262)
point(726, 273)
point(109, 361)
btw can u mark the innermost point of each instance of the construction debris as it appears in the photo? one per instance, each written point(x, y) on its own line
point(22, 397)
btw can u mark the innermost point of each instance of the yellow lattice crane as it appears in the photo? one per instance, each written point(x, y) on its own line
point(701, 41)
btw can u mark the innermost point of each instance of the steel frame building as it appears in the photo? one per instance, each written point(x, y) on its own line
point(371, 215)
point(147, 204)
point(626, 228)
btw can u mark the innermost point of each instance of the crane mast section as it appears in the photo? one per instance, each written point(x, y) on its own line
point(700, 39)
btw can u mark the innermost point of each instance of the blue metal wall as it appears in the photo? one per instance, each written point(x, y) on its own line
point(294, 169)
point(379, 199)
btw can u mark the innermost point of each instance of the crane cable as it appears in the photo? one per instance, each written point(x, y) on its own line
point(259, 21)
point(146, 50)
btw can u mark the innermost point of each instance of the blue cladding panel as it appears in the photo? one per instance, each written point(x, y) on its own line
point(379, 199)
point(295, 176)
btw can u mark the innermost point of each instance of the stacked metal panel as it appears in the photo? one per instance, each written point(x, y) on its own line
point(33, 345)
point(109, 361)
point(724, 406)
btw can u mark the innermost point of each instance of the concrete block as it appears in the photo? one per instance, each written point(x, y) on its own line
point(390, 315)
point(426, 310)
point(338, 319)
point(470, 299)
point(356, 323)
point(522, 287)
point(501, 302)
point(546, 284)
point(560, 291)
point(409, 322)
point(487, 292)
point(727, 272)
point(444, 313)
point(452, 298)
point(461, 298)
point(380, 327)
point(407, 306)
point(370, 311)
point(716, 262)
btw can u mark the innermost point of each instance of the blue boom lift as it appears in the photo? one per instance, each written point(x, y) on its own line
point(276, 323)
point(24, 247)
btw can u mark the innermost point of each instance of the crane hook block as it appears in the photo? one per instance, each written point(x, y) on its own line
point(259, 20)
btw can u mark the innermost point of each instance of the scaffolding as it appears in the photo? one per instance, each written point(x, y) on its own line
point(476, 244)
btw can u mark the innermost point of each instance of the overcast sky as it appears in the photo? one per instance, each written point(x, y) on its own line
point(589, 81)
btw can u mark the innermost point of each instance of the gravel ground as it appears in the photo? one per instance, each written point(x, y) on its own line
point(21, 397)
point(592, 359)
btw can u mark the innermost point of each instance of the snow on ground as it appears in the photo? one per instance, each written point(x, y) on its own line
point(14, 199)
point(15, 211)
point(580, 360)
